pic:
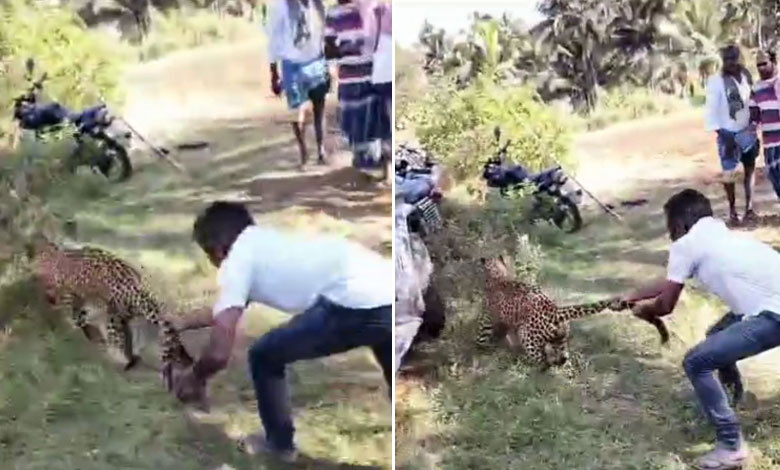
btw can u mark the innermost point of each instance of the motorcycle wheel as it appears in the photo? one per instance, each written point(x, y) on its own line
point(567, 216)
point(116, 159)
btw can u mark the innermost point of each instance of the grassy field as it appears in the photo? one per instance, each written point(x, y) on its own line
point(64, 405)
point(629, 406)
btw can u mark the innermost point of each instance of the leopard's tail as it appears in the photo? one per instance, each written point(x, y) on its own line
point(578, 311)
point(485, 331)
point(572, 312)
point(489, 331)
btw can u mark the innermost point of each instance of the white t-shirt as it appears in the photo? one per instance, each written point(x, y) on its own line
point(281, 34)
point(382, 71)
point(289, 272)
point(742, 271)
point(717, 106)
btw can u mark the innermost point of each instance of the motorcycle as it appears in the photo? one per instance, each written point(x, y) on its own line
point(556, 199)
point(420, 311)
point(107, 156)
point(417, 182)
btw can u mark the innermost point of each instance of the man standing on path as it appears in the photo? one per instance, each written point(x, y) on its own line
point(742, 272)
point(765, 111)
point(382, 78)
point(295, 40)
point(340, 293)
point(727, 114)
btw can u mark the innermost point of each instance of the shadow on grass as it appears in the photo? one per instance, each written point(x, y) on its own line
point(252, 160)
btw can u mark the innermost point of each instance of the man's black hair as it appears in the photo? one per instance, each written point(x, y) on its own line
point(218, 226)
point(772, 56)
point(730, 48)
point(687, 207)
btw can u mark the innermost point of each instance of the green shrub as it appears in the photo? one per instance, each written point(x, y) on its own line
point(457, 127)
point(627, 103)
point(187, 29)
point(82, 66)
point(410, 86)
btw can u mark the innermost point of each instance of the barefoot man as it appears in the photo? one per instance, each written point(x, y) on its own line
point(295, 40)
point(727, 114)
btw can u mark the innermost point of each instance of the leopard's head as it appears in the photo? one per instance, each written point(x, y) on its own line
point(495, 266)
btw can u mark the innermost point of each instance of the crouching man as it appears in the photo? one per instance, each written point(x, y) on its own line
point(743, 273)
point(340, 293)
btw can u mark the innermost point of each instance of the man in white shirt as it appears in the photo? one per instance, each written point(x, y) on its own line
point(340, 293)
point(295, 40)
point(727, 114)
point(743, 273)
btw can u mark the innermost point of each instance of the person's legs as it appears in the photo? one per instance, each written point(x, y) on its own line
point(729, 374)
point(772, 160)
point(738, 341)
point(299, 130)
point(749, 164)
point(383, 352)
point(293, 83)
point(728, 163)
point(317, 97)
point(322, 330)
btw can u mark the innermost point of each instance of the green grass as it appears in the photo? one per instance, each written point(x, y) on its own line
point(64, 405)
point(630, 103)
point(629, 406)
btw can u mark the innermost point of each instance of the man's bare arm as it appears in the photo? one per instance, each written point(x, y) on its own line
point(648, 291)
point(664, 302)
point(216, 355)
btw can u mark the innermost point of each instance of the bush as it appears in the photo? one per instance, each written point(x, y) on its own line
point(82, 66)
point(457, 127)
point(410, 86)
point(627, 103)
point(187, 29)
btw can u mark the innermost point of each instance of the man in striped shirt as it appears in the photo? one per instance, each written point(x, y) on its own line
point(765, 111)
point(351, 33)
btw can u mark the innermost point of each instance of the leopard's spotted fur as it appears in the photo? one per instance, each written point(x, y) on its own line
point(530, 317)
point(73, 277)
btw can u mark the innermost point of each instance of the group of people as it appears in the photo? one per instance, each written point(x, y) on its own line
point(304, 38)
point(736, 108)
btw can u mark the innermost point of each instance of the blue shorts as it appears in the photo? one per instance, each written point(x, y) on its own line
point(305, 81)
point(747, 145)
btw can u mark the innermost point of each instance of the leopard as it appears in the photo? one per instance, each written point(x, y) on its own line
point(71, 277)
point(525, 315)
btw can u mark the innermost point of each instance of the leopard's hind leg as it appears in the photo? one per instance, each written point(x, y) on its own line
point(120, 337)
point(534, 348)
point(78, 316)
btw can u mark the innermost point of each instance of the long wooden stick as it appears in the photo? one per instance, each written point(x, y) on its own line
point(156, 150)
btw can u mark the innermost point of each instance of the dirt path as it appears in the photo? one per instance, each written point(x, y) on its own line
point(620, 157)
point(221, 95)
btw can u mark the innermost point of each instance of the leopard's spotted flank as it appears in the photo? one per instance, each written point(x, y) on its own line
point(73, 277)
point(530, 317)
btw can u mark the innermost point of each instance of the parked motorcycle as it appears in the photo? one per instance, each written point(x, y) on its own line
point(96, 145)
point(556, 199)
point(417, 181)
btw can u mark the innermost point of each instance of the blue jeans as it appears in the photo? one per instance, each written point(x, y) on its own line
point(322, 330)
point(721, 351)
